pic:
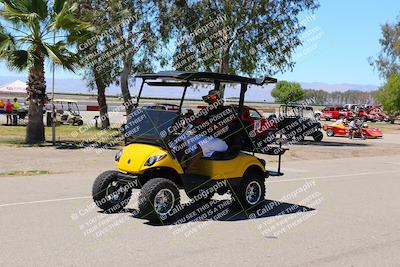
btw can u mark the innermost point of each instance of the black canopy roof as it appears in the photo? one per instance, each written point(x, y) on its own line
point(208, 77)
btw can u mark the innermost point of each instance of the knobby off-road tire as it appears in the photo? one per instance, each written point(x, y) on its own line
point(153, 195)
point(251, 181)
point(108, 194)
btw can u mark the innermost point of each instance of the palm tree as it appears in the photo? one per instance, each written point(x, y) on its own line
point(26, 41)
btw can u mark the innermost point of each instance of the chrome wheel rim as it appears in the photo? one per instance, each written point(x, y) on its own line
point(253, 192)
point(114, 194)
point(164, 201)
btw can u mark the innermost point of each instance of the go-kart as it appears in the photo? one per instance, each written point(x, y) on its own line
point(156, 154)
point(342, 129)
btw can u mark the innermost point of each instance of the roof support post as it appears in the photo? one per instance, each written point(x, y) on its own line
point(140, 92)
point(243, 89)
point(183, 97)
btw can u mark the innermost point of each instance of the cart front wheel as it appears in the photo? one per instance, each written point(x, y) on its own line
point(108, 194)
point(158, 198)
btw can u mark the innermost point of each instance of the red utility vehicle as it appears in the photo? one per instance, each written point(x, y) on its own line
point(368, 113)
point(336, 112)
point(375, 113)
point(254, 121)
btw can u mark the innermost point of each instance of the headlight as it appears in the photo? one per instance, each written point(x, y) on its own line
point(118, 155)
point(154, 159)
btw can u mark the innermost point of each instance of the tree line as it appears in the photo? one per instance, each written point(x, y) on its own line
point(107, 42)
point(322, 97)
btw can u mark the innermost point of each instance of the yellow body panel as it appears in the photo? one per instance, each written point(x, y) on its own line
point(226, 169)
point(134, 157)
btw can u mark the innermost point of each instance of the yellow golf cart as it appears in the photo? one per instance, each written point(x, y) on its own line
point(157, 152)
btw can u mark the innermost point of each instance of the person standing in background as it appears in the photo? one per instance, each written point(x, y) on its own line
point(15, 111)
point(8, 107)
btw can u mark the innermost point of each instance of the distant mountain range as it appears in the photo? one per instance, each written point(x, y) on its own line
point(76, 86)
point(339, 87)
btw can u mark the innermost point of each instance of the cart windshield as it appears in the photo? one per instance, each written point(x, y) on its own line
point(149, 125)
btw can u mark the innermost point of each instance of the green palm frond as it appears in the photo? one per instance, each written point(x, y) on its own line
point(30, 8)
point(60, 55)
point(7, 43)
point(18, 60)
point(64, 19)
point(58, 6)
point(10, 13)
point(33, 22)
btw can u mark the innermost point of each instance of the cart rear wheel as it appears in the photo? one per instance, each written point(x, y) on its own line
point(251, 191)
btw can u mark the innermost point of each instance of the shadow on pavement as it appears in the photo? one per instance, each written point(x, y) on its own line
point(82, 145)
point(333, 143)
point(224, 210)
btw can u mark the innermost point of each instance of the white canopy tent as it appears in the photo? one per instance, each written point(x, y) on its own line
point(16, 88)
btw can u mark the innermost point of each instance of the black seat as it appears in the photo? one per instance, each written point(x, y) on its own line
point(233, 141)
point(231, 153)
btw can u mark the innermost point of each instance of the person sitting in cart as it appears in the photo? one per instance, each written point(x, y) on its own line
point(203, 145)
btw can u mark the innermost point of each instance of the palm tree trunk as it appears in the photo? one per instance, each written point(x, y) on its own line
point(37, 97)
point(101, 100)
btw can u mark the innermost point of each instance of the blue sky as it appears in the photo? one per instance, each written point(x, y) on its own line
point(349, 33)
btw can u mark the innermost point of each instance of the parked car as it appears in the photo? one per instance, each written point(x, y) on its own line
point(336, 112)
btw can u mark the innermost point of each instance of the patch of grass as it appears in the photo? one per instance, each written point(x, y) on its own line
point(15, 135)
point(24, 173)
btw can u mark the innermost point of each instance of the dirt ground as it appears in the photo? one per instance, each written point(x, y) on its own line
point(63, 160)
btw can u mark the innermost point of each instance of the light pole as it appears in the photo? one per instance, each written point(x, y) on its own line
point(53, 108)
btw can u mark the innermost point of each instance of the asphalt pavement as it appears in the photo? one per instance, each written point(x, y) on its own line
point(337, 212)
